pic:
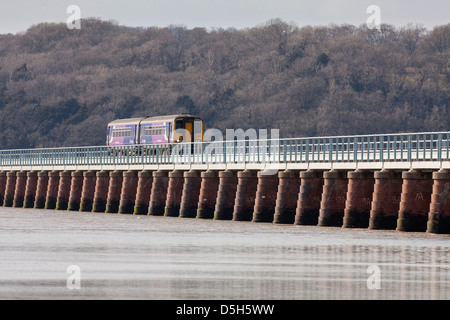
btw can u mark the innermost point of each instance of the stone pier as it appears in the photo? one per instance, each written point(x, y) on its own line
point(413, 200)
point(334, 194)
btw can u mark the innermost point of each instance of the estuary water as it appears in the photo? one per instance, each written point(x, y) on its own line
point(48, 254)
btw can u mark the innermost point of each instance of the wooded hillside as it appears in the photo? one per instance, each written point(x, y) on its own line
point(60, 87)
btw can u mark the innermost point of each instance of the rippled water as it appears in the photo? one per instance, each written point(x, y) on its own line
point(141, 257)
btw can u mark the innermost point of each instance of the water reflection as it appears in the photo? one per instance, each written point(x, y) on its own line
point(323, 272)
point(122, 257)
point(308, 272)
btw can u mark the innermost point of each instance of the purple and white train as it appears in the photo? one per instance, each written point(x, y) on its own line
point(164, 130)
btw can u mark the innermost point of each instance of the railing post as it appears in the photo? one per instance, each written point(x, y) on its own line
point(224, 151)
point(307, 151)
point(409, 148)
point(401, 147)
point(389, 148)
point(348, 149)
point(301, 150)
point(381, 150)
point(425, 146)
point(439, 147)
point(417, 146)
point(330, 150)
point(448, 146)
point(395, 148)
point(362, 148)
point(373, 148)
point(234, 150)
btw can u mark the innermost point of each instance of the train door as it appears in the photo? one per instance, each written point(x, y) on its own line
point(108, 135)
point(169, 131)
point(188, 136)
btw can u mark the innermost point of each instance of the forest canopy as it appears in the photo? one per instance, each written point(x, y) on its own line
point(60, 86)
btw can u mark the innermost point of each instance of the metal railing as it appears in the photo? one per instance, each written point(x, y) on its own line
point(434, 146)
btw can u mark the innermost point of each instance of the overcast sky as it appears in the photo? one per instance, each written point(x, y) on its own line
point(18, 15)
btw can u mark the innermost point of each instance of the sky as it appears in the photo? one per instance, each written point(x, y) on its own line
point(18, 15)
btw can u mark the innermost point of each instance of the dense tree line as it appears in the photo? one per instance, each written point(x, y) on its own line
point(60, 87)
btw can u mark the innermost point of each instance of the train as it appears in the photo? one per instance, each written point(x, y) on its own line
point(159, 130)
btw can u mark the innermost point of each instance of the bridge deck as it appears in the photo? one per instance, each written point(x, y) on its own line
point(428, 151)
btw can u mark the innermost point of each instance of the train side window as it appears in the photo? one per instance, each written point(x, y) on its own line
point(148, 131)
point(154, 131)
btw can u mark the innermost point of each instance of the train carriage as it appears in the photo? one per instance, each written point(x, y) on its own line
point(164, 131)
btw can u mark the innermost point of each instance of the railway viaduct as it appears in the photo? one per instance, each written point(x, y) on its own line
point(393, 182)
